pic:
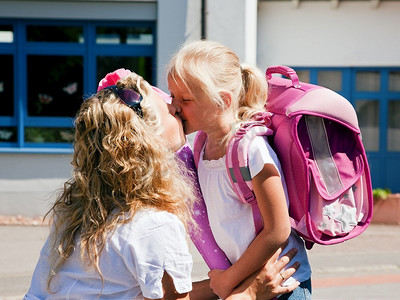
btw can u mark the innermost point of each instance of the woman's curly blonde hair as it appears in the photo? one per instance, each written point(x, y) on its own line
point(120, 164)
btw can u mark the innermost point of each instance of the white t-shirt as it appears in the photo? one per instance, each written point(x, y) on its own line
point(132, 262)
point(231, 220)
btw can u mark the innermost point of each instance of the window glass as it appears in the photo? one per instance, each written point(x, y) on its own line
point(8, 134)
point(368, 81)
point(124, 35)
point(140, 65)
point(304, 75)
point(394, 126)
point(6, 85)
point(55, 85)
point(394, 81)
point(330, 79)
point(49, 135)
point(6, 34)
point(368, 118)
point(41, 33)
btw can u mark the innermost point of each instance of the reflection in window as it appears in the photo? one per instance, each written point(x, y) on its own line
point(124, 35)
point(49, 135)
point(8, 134)
point(368, 118)
point(56, 88)
point(368, 81)
point(304, 75)
point(394, 81)
point(140, 65)
point(330, 79)
point(73, 34)
point(393, 133)
point(6, 34)
point(6, 85)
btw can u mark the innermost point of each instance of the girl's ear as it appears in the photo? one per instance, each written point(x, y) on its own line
point(227, 98)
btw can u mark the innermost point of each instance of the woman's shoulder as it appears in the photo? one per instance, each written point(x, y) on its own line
point(149, 220)
point(154, 217)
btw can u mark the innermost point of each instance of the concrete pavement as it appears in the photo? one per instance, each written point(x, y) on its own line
point(367, 267)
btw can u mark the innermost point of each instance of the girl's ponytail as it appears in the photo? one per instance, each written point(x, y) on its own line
point(254, 92)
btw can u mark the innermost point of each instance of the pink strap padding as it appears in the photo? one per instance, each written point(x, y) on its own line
point(198, 144)
point(237, 162)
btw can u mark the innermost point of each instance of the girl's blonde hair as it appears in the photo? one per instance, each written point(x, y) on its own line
point(212, 68)
point(120, 165)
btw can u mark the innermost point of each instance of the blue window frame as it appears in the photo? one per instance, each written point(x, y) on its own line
point(48, 67)
point(375, 94)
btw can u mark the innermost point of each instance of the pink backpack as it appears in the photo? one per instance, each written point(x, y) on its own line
point(315, 133)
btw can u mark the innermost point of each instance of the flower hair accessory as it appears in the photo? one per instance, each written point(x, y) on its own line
point(112, 78)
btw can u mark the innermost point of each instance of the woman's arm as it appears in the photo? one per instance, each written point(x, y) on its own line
point(271, 201)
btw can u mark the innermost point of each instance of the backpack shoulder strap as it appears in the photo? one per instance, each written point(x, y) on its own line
point(198, 144)
point(203, 238)
point(237, 161)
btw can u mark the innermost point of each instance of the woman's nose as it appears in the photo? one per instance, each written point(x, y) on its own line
point(175, 104)
point(172, 109)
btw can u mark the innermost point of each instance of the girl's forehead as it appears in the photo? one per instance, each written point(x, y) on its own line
point(178, 87)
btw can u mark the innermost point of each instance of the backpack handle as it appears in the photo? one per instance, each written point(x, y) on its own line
point(285, 71)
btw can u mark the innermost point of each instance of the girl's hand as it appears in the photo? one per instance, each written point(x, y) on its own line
point(220, 283)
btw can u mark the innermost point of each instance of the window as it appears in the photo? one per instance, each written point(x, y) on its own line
point(368, 81)
point(6, 34)
point(6, 85)
point(331, 80)
point(368, 119)
point(56, 90)
point(38, 33)
point(393, 126)
point(48, 67)
point(124, 35)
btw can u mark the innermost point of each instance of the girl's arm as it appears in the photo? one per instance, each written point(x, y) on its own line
point(202, 291)
point(271, 200)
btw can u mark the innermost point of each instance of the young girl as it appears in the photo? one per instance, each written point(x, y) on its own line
point(214, 93)
point(118, 228)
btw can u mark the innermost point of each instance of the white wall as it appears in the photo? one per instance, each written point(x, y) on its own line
point(234, 24)
point(178, 21)
point(317, 34)
point(28, 182)
point(80, 10)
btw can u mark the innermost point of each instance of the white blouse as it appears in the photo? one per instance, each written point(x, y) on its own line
point(132, 263)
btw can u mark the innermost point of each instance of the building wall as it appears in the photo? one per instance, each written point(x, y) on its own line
point(355, 33)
